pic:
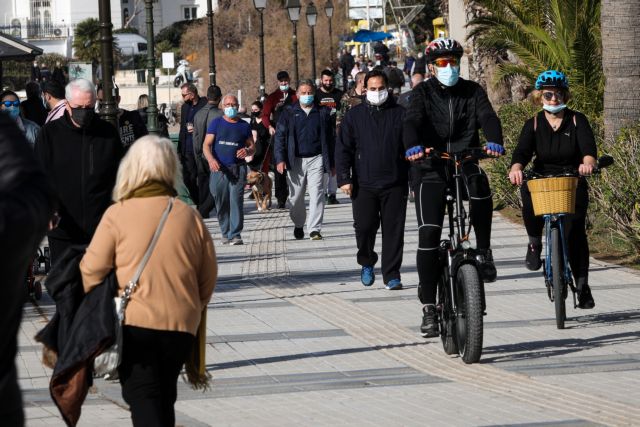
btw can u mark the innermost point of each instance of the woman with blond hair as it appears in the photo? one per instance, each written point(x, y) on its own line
point(164, 311)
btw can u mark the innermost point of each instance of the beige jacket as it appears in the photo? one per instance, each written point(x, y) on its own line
point(179, 278)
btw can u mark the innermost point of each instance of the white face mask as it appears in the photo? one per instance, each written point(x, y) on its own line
point(377, 97)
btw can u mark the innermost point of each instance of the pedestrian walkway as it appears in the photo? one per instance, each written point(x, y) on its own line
point(295, 339)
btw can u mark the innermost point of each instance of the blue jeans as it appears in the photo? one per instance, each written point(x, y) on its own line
point(228, 197)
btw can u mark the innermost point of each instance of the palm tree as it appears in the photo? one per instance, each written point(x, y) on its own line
point(546, 34)
point(621, 63)
point(86, 40)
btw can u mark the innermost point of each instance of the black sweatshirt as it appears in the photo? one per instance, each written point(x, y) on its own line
point(555, 151)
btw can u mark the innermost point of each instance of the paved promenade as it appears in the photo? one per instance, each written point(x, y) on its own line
point(296, 340)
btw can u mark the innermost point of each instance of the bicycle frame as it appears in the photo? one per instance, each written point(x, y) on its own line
point(550, 222)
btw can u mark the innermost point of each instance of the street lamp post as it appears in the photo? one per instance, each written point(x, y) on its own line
point(328, 9)
point(212, 54)
point(152, 109)
point(312, 15)
point(260, 6)
point(293, 9)
point(109, 111)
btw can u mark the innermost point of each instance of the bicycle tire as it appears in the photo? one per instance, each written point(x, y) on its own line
point(557, 278)
point(447, 321)
point(469, 323)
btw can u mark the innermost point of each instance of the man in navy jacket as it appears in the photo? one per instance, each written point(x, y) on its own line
point(371, 168)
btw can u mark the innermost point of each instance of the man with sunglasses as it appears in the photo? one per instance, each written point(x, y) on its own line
point(445, 113)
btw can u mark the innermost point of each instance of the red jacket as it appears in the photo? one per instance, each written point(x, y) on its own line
point(273, 106)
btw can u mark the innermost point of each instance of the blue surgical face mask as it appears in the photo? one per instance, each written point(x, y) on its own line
point(554, 109)
point(231, 112)
point(448, 75)
point(306, 100)
point(13, 111)
point(284, 88)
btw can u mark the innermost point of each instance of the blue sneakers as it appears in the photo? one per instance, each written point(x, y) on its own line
point(366, 275)
point(394, 285)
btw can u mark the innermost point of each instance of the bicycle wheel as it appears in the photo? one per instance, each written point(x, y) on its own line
point(557, 278)
point(469, 328)
point(447, 320)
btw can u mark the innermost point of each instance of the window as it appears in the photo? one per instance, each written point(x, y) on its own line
point(189, 12)
point(142, 47)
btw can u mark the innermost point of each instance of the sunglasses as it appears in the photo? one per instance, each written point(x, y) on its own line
point(548, 96)
point(443, 62)
point(11, 103)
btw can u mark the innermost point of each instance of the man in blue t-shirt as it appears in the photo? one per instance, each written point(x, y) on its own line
point(228, 142)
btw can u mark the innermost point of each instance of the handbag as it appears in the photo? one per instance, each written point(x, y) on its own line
point(106, 363)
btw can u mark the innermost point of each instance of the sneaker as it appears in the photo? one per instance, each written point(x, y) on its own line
point(282, 205)
point(367, 277)
point(236, 241)
point(486, 266)
point(412, 197)
point(315, 235)
point(394, 285)
point(298, 233)
point(429, 327)
point(332, 200)
point(224, 241)
point(585, 300)
point(532, 260)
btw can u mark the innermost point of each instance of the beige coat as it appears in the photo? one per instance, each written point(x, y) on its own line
point(179, 278)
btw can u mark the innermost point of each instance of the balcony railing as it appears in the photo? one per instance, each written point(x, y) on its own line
point(38, 30)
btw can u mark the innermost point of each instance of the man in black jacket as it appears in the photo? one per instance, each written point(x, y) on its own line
point(371, 168)
point(445, 113)
point(80, 154)
point(192, 104)
point(25, 209)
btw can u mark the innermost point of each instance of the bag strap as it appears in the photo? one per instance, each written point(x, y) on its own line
point(133, 283)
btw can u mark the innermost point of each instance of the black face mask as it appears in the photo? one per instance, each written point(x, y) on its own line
point(256, 113)
point(82, 116)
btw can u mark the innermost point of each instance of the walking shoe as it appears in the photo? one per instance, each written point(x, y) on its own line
point(585, 300)
point(298, 233)
point(412, 197)
point(367, 277)
point(532, 260)
point(394, 285)
point(486, 266)
point(331, 200)
point(315, 235)
point(224, 241)
point(236, 241)
point(429, 327)
point(282, 205)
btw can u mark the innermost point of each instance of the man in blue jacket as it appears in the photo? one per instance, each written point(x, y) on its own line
point(304, 146)
point(371, 168)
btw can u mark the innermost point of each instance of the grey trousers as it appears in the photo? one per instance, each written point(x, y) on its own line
point(307, 174)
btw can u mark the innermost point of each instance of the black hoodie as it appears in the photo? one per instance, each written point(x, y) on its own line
point(81, 166)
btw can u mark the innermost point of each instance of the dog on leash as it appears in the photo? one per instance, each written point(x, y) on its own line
point(261, 189)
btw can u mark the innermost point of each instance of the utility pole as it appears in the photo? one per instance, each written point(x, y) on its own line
point(109, 112)
point(152, 109)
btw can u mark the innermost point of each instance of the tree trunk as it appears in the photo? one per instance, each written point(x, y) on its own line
point(621, 63)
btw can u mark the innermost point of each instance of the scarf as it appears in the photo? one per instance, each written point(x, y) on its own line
point(195, 369)
point(152, 189)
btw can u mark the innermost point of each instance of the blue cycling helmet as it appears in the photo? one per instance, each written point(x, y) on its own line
point(552, 78)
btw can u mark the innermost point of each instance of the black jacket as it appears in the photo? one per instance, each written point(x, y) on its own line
point(369, 152)
point(448, 118)
point(82, 328)
point(81, 166)
point(202, 101)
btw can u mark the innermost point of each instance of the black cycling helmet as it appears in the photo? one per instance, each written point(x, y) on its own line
point(443, 47)
point(552, 78)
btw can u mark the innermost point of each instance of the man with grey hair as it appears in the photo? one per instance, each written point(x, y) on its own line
point(304, 142)
point(228, 142)
point(80, 154)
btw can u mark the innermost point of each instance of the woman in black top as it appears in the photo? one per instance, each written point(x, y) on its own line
point(557, 138)
point(261, 139)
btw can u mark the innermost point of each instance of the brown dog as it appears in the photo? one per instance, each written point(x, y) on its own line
point(261, 189)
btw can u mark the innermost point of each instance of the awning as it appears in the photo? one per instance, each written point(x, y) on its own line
point(12, 48)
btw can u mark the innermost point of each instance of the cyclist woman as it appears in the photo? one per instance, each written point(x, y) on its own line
point(560, 139)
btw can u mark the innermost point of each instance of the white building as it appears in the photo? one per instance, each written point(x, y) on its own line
point(49, 24)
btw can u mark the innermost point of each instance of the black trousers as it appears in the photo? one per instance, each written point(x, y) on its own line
point(430, 209)
point(205, 199)
point(190, 174)
point(151, 363)
point(575, 230)
point(371, 208)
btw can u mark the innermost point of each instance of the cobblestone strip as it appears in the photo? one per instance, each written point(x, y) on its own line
point(403, 345)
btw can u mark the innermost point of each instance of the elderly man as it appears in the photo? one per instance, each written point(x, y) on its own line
point(228, 142)
point(304, 147)
point(80, 154)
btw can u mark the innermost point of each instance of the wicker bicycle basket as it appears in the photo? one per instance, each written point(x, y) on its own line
point(553, 195)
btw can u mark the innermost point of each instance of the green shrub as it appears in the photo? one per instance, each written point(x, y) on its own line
point(513, 116)
point(616, 193)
